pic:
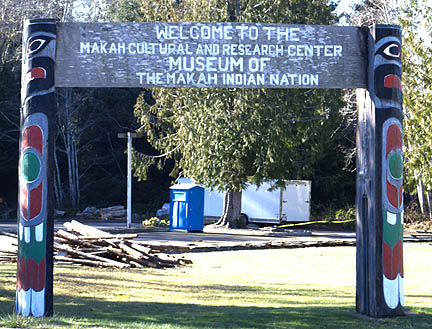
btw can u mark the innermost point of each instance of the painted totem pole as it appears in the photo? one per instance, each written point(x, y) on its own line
point(35, 208)
point(379, 181)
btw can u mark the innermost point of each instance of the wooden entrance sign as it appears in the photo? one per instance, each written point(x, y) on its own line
point(219, 55)
point(211, 55)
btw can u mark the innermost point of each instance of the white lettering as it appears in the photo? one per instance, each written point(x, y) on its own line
point(318, 49)
point(294, 79)
point(141, 77)
point(121, 48)
point(84, 47)
point(338, 50)
point(274, 79)
point(243, 79)
point(152, 78)
point(257, 64)
point(205, 32)
point(194, 32)
point(292, 50)
point(161, 33)
point(328, 51)
point(132, 48)
point(210, 64)
point(287, 33)
point(103, 45)
point(242, 29)
point(113, 49)
point(171, 78)
point(95, 48)
point(253, 33)
point(269, 30)
point(303, 50)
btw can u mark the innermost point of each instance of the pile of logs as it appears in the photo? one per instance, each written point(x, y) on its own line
point(94, 247)
point(8, 247)
point(113, 212)
point(86, 245)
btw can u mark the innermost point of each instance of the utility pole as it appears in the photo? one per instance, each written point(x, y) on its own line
point(129, 137)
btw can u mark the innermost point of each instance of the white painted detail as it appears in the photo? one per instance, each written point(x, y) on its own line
point(20, 231)
point(391, 218)
point(38, 302)
point(18, 302)
point(401, 290)
point(27, 234)
point(391, 292)
point(402, 217)
point(394, 291)
point(24, 301)
point(39, 232)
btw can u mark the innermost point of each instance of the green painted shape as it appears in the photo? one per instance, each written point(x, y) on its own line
point(392, 233)
point(396, 165)
point(30, 167)
point(33, 249)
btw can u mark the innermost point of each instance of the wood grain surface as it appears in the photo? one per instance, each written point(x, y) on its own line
point(216, 55)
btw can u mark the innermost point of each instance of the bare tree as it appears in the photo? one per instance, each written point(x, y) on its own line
point(13, 13)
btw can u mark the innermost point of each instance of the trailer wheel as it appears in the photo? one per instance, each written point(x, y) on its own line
point(244, 219)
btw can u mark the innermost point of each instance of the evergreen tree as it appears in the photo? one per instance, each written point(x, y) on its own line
point(417, 73)
point(227, 138)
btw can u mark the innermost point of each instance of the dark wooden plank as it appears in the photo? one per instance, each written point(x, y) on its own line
point(241, 55)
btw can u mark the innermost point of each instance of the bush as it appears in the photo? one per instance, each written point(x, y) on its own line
point(155, 222)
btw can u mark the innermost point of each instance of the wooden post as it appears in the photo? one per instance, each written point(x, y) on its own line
point(129, 181)
point(34, 294)
point(129, 137)
point(379, 179)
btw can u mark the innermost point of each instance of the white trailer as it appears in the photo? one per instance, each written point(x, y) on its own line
point(264, 204)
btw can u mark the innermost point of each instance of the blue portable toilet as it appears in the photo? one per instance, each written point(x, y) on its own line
point(187, 207)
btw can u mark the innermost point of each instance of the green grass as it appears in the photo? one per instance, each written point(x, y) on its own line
point(285, 288)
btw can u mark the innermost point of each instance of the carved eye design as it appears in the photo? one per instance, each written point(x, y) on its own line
point(35, 45)
point(392, 50)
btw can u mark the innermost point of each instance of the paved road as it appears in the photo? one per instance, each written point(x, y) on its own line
point(239, 236)
point(219, 238)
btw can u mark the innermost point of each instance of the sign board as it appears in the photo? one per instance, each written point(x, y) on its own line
point(125, 135)
point(224, 55)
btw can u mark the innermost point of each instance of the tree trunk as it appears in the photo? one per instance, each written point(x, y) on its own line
point(429, 201)
point(68, 131)
point(232, 210)
point(424, 198)
point(421, 196)
point(57, 182)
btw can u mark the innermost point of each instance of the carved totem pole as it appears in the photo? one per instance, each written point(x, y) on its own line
point(35, 209)
point(379, 180)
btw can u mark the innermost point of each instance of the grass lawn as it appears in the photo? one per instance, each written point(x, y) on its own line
point(282, 288)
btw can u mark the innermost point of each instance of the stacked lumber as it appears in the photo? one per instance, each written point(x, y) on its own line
point(113, 212)
point(8, 247)
point(178, 247)
point(86, 245)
